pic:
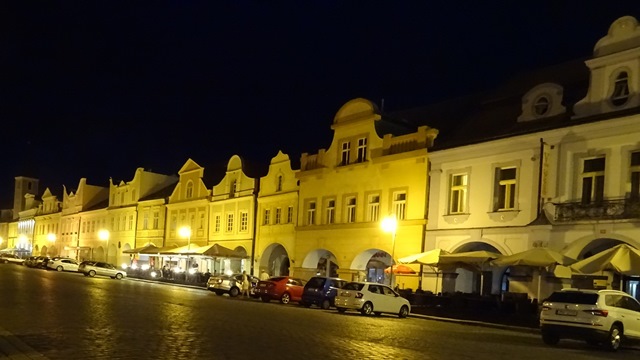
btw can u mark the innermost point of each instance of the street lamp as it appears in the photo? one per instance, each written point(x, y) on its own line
point(52, 238)
point(390, 224)
point(103, 235)
point(185, 232)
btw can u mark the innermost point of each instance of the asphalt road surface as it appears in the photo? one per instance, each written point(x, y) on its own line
point(70, 316)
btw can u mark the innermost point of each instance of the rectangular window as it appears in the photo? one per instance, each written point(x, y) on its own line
point(201, 222)
point(278, 215)
point(156, 219)
point(217, 224)
point(635, 176)
point(362, 149)
point(593, 180)
point(351, 210)
point(266, 219)
point(330, 215)
point(145, 221)
point(400, 204)
point(505, 196)
point(345, 153)
point(458, 194)
point(289, 214)
point(174, 222)
point(230, 222)
point(311, 213)
point(373, 208)
point(244, 221)
point(130, 222)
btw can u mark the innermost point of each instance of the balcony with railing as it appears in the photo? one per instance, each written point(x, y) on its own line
point(615, 209)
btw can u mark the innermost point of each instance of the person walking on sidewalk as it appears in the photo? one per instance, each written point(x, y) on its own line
point(245, 284)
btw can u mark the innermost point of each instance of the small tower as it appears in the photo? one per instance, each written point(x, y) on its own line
point(23, 186)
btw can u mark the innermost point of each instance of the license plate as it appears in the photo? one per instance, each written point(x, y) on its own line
point(565, 312)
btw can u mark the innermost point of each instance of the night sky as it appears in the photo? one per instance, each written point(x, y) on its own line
point(96, 89)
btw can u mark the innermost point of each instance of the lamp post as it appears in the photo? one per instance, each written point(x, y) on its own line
point(103, 235)
point(390, 224)
point(185, 232)
point(52, 238)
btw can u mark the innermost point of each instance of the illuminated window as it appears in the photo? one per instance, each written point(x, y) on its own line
point(620, 89)
point(400, 204)
point(373, 208)
point(362, 149)
point(505, 189)
point(345, 153)
point(311, 213)
point(593, 180)
point(635, 176)
point(289, 214)
point(244, 221)
point(351, 209)
point(230, 222)
point(330, 212)
point(217, 224)
point(458, 194)
point(156, 219)
point(278, 218)
point(266, 218)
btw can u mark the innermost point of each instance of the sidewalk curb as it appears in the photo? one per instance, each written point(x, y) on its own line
point(478, 323)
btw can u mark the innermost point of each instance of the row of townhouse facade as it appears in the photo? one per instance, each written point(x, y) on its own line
point(550, 159)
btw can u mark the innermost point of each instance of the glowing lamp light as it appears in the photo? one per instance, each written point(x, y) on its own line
point(145, 267)
point(124, 266)
point(192, 271)
point(154, 274)
point(134, 266)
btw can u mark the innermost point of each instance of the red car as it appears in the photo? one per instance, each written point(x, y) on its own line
point(282, 288)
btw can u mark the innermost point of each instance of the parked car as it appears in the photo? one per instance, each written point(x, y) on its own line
point(11, 258)
point(282, 288)
point(30, 261)
point(321, 291)
point(63, 264)
point(607, 317)
point(231, 284)
point(93, 268)
point(371, 298)
point(38, 262)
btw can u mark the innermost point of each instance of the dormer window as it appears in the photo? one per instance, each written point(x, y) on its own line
point(541, 106)
point(344, 154)
point(621, 89)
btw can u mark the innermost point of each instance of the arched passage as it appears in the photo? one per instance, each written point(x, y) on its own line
point(275, 261)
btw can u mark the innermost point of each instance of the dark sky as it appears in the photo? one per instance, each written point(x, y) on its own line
point(96, 89)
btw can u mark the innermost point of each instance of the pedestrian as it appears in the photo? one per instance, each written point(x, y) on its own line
point(264, 275)
point(245, 284)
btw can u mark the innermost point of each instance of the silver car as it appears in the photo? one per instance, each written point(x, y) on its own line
point(93, 268)
point(63, 264)
point(231, 284)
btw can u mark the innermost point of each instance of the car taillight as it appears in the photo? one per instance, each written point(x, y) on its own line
point(597, 312)
point(359, 295)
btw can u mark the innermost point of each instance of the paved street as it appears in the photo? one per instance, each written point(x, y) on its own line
point(69, 316)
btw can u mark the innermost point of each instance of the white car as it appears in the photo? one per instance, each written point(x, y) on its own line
point(63, 264)
point(607, 317)
point(371, 298)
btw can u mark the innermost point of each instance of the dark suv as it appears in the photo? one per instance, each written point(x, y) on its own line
point(321, 291)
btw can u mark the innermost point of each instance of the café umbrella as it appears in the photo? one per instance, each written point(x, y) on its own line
point(622, 259)
point(471, 260)
point(430, 258)
point(539, 258)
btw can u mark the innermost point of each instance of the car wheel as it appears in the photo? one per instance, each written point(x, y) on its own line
point(286, 298)
point(92, 273)
point(615, 338)
point(265, 298)
point(119, 276)
point(404, 312)
point(59, 268)
point(367, 308)
point(326, 304)
point(550, 338)
point(234, 292)
point(341, 310)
